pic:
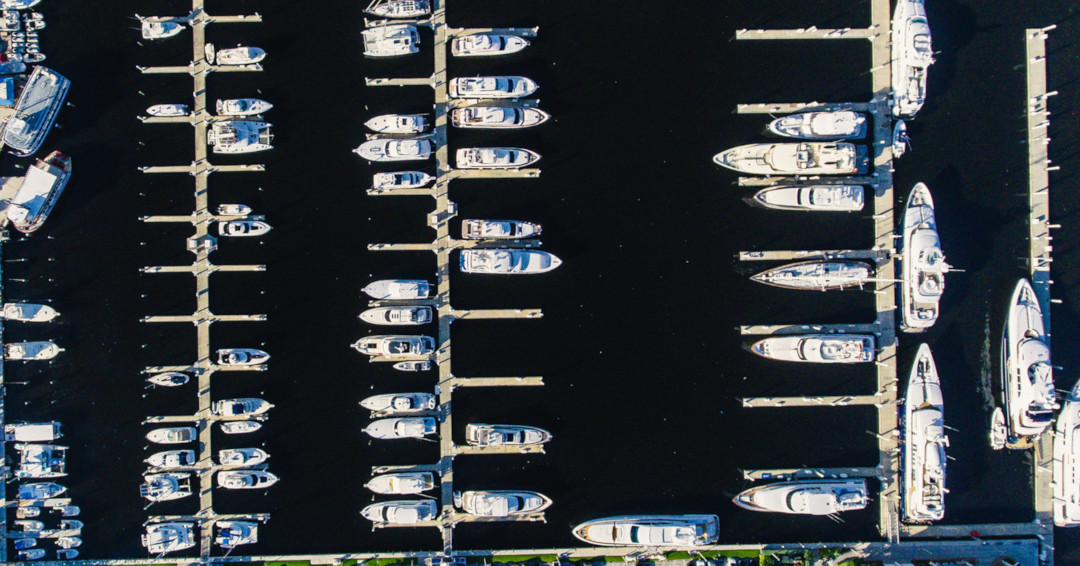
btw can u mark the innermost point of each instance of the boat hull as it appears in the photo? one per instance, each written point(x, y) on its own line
point(670, 530)
point(817, 348)
point(813, 198)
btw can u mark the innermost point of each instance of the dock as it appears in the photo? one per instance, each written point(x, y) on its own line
point(201, 243)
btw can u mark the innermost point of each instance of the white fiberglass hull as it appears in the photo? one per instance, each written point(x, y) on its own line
point(817, 348)
point(788, 158)
point(650, 530)
point(812, 198)
point(806, 497)
point(922, 263)
point(1066, 467)
point(924, 441)
point(1027, 374)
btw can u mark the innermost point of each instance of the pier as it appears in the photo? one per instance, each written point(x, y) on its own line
point(201, 244)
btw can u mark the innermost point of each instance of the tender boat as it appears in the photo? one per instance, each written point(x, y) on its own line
point(408, 483)
point(400, 403)
point(242, 456)
point(242, 106)
point(240, 55)
point(40, 490)
point(395, 150)
point(1027, 379)
point(31, 554)
point(399, 8)
point(41, 460)
point(243, 228)
point(393, 346)
point(232, 534)
point(391, 41)
point(478, 434)
point(413, 366)
point(398, 289)
point(486, 44)
point(239, 136)
point(501, 503)
point(817, 275)
point(31, 350)
point(168, 110)
point(1066, 466)
point(999, 431)
point(924, 441)
point(172, 435)
point(809, 497)
point(382, 182)
point(508, 261)
point(405, 316)
point(168, 379)
point(922, 263)
point(829, 125)
point(817, 348)
point(241, 357)
point(240, 427)
point(240, 407)
point(650, 530)
point(162, 538)
point(33, 432)
point(494, 158)
point(67, 554)
point(246, 479)
point(472, 229)
point(491, 87)
point(29, 312)
point(398, 124)
point(401, 427)
point(171, 459)
point(497, 117)
point(823, 198)
point(900, 140)
point(160, 30)
point(233, 210)
point(404, 512)
point(913, 53)
point(805, 158)
point(165, 487)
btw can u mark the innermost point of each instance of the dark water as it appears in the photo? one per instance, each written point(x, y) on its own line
point(637, 347)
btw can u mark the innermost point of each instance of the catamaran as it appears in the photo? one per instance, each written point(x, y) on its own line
point(239, 136)
point(508, 261)
point(399, 8)
point(28, 312)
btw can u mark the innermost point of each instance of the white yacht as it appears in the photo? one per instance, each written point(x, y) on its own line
point(815, 198)
point(160, 30)
point(650, 530)
point(494, 158)
point(398, 289)
point(32, 432)
point(394, 346)
point(233, 210)
point(240, 55)
point(232, 534)
point(508, 261)
point(28, 312)
point(162, 538)
point(486, 44)
point(242, 106)
point(242, 228)
point(497, 117)
point(478, 434)
point(403, 512)
point(43, 350)
point(913, 53)
point(900, 140)
point(1066, 470)
point(172, 459)
point(405, 483)
point(165, 487)
point(385, 182)
point(240, 427)
point(168, 110)
point(41, 460)
point(240, 406)
point(239, 136)
point(404, 316)
point(391, 41)
point(245, 479)
point(401, 427)
point(1027, 379)
point(999, 431)
point(472, 229)
point(398, 124)
point(400, 403)
point(172, 435)
point(242, 456)
point(806, 497)
point(399, 8)
point(424, 365)
point(924, 441)
point(817, 348)
point(241, 357)
point(40, 490)
point(834, 125)
point(922, 263)
point(789, 158)
point(492, 87)
point(31, 554)
point(395, 150)
point(501, 503)
point(168, 379)
point(28, 526)
point(817, 275)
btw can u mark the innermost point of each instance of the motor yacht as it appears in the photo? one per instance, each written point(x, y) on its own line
point(650, 530)
point(507, 261)
point(68, 542)
point(243, 228)
point(922, 460)
point(501, 503)
point(168, 379)
point(398, 9)
point(165, 487)
point(922, 263)
point(405, 483)
point(472, 229)
point(168, 110)
point(398, 289)
point(241, 357)
point(404, 512)
point(812, 198)
point(40, 490)
point(233, 210)
point(240, 407)
point(163, 538)
point(28, 526)
point(788, 158)
point(491, 87)
point(242, 456)
point(400, 403)
point(242, 107)
point(486, 44)
point(67, 510)
point(494, 158)
point(824, 126)
point(497, 117)
point(67, 554)
point(42, 96)
point(245, 479)
point(395, 150)
point(232, 534)
point(152, 30)
point(239, 136)
point(27, 512)
point(172, 459)
point(913, 53)
point(391, 41)
point(71, 525)
point(398, 124)
point(240, 427)
point(392, 316)
point(817, 348)
point(385, 182)
point(478, 434)
point(1066, 465)
point(401, 427)
point(806, 497)
point(172, 435)
point(817, 275)
point(42, 350)
point(28, 312)
point(394, 346)
point(25, 543)
point(1027, 379)
point(424, 365)
point(240, 55)
point(41, 460)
